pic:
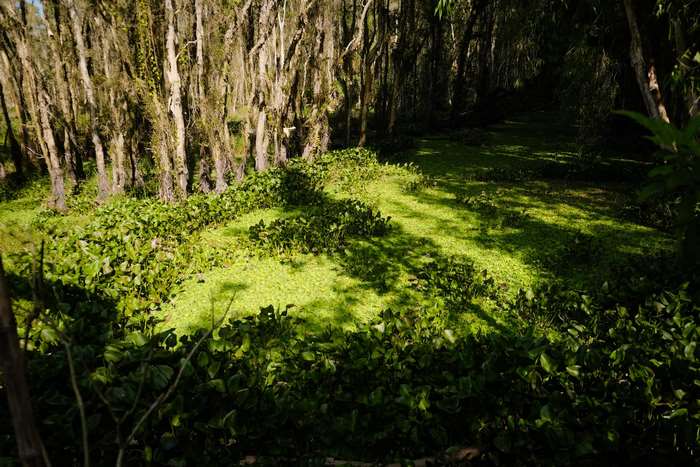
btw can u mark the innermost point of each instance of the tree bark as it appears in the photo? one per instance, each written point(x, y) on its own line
point(175, 102)
point(102, 181)
point(460, 78)
point(365, 83)
point(15, 150)
point(644, 70)
point(74, 163)
point(118, 110)
point(29, 444)
point(53, 163)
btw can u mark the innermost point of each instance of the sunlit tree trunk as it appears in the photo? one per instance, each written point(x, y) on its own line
point(72, 156)
point(175, 101)
point(117, 107)
point(53, 163)
point(102, 181)
point(15, 150)
point(644, 69)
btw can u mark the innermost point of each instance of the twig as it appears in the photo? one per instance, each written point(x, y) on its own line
point(81, 405)
point(171, 389)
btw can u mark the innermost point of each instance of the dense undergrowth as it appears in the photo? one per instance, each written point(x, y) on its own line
point(607, 376)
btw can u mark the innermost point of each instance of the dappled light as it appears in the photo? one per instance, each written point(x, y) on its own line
point(331, 233)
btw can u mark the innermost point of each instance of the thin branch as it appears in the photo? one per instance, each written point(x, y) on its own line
point(172, 387)
point(81, 405)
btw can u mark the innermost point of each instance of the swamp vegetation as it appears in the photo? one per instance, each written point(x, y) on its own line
point(349, 232)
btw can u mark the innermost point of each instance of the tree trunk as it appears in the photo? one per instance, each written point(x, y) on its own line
point(15, 150)
point(53, 163)
point(175, 102)
point(199, 39)
point(261, 142)
point(118, 111)
point(365, 85)
point(29, 444)
point(460, 76)
point(102, 181)
point(484, 74)
point(644, 70)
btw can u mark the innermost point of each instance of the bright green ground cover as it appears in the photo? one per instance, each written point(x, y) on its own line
point(429, 218)
point(430, 221)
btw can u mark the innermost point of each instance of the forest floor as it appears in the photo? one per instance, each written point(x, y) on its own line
point(489, 202)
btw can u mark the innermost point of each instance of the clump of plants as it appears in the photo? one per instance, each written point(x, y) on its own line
point(473, 137)
point(326, 229)
point(515, 219)
point(456, 282)
point(677, 177)
point(613, 384)
point(503, 175)
point(658, 213)
point(483, 203)
point(578, 249)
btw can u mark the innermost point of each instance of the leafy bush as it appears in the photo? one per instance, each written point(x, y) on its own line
point(659, 213)
point(483, 203)
point(503, 175)
point(473, 137)
point(324, 230)
point(515, 219)
point(455, 282)
point(677, 176)
point(349, 168)
point(614, 385)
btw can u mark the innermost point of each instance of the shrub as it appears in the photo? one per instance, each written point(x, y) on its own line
point(325, 230)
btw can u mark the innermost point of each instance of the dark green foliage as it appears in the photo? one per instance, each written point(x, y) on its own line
point(515, 219)
point(677, 176)
point(618, 385)
point(483, 203)
point(473, 137)
point(324, 230)
point(504, 175)
point(659, 213)
point(455, 282)
point(607, 377)
point(418, 183)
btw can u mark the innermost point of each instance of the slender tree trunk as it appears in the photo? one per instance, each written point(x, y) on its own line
point(261, 141)
point(365, 85)
point(72, 158)
point(175, 102)
point(199, 39)
point(486, 33)
point(29, 444)
point(102, 181)
point(15, 150)
point(118, 110)
point(460, 78)
point(53, 163)
point(644, 70)
point(204, 166)
point(67, 103)
point(165, 165)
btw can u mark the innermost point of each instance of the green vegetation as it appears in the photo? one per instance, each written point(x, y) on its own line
point(368, 232)
point(535, 230)
point(436, 290)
